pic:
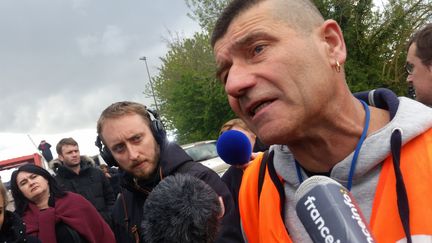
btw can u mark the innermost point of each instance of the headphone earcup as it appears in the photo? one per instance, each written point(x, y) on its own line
point(108, 157)
point(158, 131)
point(105, 153)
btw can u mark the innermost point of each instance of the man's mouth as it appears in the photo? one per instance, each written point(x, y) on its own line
point(258, 107)
point(138, 165)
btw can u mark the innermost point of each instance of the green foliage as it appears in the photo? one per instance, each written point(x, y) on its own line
point(206, 12)
point(376, 39)
point(194, 103)
point(191, 98)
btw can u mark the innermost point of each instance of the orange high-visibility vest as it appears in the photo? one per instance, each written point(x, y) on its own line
point(262, 221)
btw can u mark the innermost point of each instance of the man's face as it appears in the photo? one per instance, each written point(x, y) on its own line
point(132, 144)
point(70, 155)
point(421, 77)
point(277, 79)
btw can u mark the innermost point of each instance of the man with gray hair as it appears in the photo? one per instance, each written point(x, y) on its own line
point(282, 66)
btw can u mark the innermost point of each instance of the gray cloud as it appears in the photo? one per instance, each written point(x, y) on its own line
point(62, 62)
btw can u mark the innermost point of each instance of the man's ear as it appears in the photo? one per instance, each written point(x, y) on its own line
point(61, 158)
point(331, 34)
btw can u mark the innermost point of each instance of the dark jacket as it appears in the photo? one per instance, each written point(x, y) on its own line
point(132, 199)
point(13, 230)
point(91, 183)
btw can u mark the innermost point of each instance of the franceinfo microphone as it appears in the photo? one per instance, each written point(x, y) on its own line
point(329, 212)
point(234, 147)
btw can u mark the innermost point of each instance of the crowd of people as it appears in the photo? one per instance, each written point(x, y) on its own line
point(282, 66)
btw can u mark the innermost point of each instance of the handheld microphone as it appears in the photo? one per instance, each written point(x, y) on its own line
point(329, 212)
point(234, 147)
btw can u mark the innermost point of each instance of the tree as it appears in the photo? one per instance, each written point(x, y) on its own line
point(191, 98)
point(194, 103)
point(206, 12)
point(376, 39)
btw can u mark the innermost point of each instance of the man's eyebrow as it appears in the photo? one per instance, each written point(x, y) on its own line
point(240, 43)
point(249, 38)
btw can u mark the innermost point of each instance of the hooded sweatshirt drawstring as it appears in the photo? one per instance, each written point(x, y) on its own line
point(402, 198)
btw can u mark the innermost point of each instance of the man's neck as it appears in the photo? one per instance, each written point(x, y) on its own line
point(330, 144)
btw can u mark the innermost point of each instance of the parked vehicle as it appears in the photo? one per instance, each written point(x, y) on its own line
point(205, 153)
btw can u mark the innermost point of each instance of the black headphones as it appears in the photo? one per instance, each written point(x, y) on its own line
point(156, 127)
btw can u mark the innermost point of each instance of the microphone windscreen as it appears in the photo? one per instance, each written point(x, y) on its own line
point(234, 147)
point(311, 183)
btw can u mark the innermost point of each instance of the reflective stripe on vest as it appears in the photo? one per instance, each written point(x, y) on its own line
point(264, 224)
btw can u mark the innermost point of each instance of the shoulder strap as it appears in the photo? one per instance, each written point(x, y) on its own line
point(262, 172)
point(134, 229)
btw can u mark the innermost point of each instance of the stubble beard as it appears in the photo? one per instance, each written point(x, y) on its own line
point(144, 173)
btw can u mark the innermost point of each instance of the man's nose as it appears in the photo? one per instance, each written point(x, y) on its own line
point(409, 78)
point(133, 152)
point(239, 79)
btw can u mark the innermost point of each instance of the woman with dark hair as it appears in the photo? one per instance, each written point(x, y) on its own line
point(52, 214)
point(12, 229)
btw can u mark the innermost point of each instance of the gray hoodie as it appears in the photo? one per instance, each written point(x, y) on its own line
point(411, 117)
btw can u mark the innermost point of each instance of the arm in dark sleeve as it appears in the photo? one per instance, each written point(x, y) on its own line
point(108, 192)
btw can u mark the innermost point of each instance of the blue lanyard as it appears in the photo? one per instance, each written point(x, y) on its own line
point(356, 152)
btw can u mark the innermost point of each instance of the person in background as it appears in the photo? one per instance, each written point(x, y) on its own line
point(130, 138)
point(77, 174)
point(239, 125)
point(12, 228)
point(113, 175)
point(52, 214)
point(282, 67)
point(419, 64)
point(45, 148)
point(182, 209)
point(233, 176)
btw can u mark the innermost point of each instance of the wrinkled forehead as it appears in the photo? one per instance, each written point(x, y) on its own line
point(257, 19)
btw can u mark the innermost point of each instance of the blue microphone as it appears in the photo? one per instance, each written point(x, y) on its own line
point(234, 147)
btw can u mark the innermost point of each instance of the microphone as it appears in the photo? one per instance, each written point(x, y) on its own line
point(329, 212)
point(234, 147)
point(181, 208)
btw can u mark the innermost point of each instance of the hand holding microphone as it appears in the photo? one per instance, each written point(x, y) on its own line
point(234, 148)
point(329, 213)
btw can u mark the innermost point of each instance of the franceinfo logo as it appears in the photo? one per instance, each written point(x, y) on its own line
point(356, 215)
point(318, 220)
point(329, 214)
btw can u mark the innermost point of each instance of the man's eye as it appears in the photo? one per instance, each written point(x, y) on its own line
point(258, 49)
point(136, 138)
point(409, 68)
point(118, 148)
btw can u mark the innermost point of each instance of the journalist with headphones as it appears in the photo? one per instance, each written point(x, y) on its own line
point(130, 138)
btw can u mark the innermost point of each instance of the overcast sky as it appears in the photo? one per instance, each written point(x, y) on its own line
point(63, 61)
